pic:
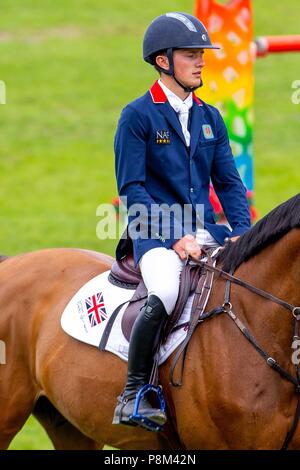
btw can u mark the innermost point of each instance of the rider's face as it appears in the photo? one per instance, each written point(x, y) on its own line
point(188, 64)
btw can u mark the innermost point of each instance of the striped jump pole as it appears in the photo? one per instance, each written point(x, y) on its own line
point(277, 44)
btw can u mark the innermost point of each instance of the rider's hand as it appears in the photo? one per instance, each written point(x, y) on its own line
point(187, 245)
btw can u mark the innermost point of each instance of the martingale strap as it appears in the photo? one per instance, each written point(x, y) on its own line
point(271, 362)
point(291, 432)
point(198, 316)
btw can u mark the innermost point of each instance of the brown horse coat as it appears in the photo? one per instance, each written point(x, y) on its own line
point(230, 398)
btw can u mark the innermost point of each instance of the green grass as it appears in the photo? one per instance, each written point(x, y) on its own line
point(32, 437)
point(277, 119)
point(69, 67)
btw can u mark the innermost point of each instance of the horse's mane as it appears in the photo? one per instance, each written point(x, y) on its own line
point(266, 231)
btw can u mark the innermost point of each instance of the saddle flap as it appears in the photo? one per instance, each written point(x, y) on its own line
point(136, 303)
point(125, 271)
point(188, 282)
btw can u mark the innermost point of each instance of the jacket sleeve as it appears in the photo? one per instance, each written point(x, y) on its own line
point(131, 171)
point(228, 184)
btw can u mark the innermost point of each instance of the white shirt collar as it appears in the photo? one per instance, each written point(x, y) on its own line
point(174, 100)
point(181, 107)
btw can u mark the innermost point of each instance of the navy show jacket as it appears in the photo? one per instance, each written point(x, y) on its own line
point(154, 166)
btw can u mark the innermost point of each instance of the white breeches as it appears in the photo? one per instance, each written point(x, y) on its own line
point(161, 269)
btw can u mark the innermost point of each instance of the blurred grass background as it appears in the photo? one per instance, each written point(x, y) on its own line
point(69, 68)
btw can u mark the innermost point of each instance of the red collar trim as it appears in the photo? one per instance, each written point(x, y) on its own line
point(158, 94)
point(195, 98)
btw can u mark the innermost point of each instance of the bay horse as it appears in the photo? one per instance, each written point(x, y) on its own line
point(229, 399)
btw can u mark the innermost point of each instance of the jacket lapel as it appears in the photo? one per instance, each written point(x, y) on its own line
point(159, 98)
point(172, 119)
point(196, 115)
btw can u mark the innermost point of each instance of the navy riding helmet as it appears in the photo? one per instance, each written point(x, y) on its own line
point(174, 31)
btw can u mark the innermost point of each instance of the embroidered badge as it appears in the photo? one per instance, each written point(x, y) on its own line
point(207, 131)
point(163, 137)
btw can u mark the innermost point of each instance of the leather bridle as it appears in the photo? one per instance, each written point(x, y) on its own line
point(198, 316)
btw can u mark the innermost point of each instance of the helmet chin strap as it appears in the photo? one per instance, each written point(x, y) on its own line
point(186, 88)
point(172, 73)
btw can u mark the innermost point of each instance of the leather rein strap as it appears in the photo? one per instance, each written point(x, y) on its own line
point(250, 287)
point(209, 266)
point(200, 300)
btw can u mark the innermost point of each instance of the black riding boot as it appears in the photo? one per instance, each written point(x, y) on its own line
point(144, 340)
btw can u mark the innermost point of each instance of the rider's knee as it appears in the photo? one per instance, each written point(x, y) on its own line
point(168, 297)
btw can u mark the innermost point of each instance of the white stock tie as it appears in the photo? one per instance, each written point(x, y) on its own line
point(183, 113)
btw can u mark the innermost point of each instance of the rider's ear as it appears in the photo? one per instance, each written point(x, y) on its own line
point(162, 61)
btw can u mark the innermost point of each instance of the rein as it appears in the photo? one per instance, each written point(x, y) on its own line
point(198, 316)
point(250, 287)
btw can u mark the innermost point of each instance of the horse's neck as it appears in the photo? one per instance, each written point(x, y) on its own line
point(275, 270)
point(276, 266)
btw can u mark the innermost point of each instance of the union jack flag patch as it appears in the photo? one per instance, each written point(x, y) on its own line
point(95, 309)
